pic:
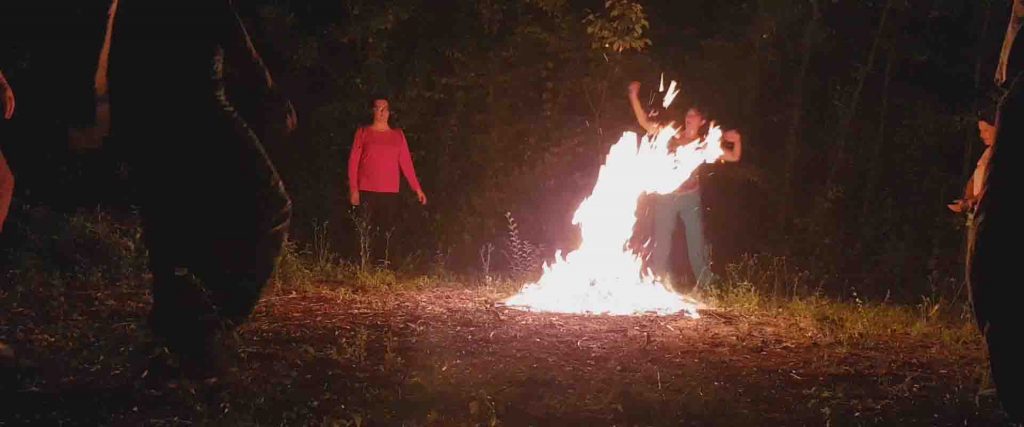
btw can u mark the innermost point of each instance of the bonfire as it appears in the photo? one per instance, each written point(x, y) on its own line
point(604, 276)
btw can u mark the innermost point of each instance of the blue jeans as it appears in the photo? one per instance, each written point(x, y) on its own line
point(668, 209)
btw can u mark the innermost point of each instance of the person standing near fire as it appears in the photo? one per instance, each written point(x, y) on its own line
point(379, 153)
point(976, 184)
point(685, 203)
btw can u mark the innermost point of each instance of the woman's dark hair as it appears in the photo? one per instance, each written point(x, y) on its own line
point(700, 110)
point(377, 96)
point(988, 114)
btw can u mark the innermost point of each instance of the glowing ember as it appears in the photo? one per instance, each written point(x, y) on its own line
point(603, 276)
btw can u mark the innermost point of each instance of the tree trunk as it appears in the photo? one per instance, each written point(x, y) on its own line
point(870, 194)
point(972, 134)
point(796, 123)
point(839, 150)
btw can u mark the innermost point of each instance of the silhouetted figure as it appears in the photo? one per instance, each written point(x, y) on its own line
point(993, 244)
point(214, 210)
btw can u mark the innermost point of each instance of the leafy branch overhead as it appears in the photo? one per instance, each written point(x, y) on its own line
point(620, 29)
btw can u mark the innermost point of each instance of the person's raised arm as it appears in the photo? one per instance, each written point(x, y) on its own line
point(638, 109)
point(1016, 20)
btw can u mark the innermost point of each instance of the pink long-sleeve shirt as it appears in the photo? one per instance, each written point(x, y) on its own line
point(377, 156)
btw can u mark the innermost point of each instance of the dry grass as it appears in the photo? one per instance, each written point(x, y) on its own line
point(336, 343)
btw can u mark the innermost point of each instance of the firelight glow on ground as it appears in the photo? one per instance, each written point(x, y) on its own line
point(603, 276)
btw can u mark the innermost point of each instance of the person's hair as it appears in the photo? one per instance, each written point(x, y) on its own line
point(988, 115)
point(376, 97)
point(699, 109)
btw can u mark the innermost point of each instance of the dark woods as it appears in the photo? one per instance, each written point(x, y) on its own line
point(859, 119)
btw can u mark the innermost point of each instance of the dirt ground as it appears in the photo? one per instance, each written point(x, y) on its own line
point(450, 357)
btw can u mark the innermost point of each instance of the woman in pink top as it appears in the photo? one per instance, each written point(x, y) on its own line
point(378, 154)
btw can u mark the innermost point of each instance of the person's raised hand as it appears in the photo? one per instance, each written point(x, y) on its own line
point(634, 88)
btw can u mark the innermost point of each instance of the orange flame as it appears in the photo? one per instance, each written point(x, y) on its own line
point(602, 276)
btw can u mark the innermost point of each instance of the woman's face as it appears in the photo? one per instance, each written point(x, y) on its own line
point(381, 111)
point(986, 132)
point(694, 119)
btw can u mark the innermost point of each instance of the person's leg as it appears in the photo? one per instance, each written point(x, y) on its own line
point(666, 213)
point(168, 211)
point(214, 236)
point(228, 236)
point(691, 212)
point(369, 229)
point(379, 212)
point(243, 268)
point(246, 236)
point(641, 242)
point(387, 214)
point(179, 301)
